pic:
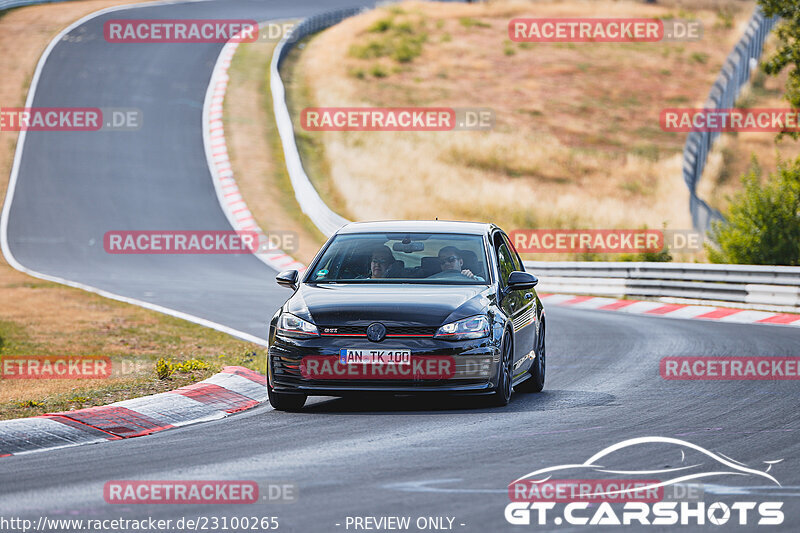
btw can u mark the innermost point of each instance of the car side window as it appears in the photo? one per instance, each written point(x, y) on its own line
point(505, 261)
point(514, 255)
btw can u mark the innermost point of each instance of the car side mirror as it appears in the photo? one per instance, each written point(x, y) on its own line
point(518, 281)
point(288, 279)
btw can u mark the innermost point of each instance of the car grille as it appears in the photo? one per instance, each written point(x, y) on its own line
point(391, 331)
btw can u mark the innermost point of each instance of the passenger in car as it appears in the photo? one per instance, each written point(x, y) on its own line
point(450, 259)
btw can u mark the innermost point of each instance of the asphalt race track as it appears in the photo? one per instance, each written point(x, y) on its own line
point(450, 458)
point(75, 186)
point(402, 457)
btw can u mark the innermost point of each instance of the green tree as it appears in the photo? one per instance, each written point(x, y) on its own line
point(763, 225)
point(788, 52)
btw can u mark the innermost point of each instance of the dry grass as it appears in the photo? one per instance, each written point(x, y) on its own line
point(41, 318)
point(576, 142)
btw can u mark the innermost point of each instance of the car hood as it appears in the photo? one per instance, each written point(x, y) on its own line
point(431, 305)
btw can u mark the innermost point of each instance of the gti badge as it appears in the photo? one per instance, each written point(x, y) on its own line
point(376, 332)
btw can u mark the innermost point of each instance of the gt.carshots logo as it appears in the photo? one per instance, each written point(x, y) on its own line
point(539, 498)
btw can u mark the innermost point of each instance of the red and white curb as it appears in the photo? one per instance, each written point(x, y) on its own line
point(644, 307)
point(232, 390)
point(230, 198)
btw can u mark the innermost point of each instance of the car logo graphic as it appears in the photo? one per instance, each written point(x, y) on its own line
point(376, 332)
point(720, 465)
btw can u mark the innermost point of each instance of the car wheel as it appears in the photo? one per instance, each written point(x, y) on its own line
point(502, 394)
point(535, 383)
point(285, 402)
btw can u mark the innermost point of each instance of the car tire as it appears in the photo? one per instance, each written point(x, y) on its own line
point(502, 394)
point(282, 401)
point(535, 383)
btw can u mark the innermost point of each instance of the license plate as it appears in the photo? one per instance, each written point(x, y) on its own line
point(375, 357)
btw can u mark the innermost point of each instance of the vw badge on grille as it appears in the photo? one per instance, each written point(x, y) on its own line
point(376, 332)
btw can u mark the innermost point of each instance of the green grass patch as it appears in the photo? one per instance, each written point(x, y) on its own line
point(378, 71)
point(648, 151)
point(399, 39)
point(469, 22)
point(699, 57)
point(15, 340)
point(382, 25)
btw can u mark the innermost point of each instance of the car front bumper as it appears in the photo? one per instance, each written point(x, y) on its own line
point(471, 367)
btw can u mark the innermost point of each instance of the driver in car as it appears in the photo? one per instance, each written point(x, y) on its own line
point(451, 261)
point(383, 264)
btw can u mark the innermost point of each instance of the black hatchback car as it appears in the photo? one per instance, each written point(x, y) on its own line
point(408, 307)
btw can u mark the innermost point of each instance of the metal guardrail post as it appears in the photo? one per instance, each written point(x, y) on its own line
point(734, 75)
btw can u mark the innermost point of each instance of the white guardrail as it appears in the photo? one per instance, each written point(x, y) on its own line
point(307, 197)
point(774, 288)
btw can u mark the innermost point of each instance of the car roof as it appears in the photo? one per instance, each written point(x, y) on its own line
point(417, 226)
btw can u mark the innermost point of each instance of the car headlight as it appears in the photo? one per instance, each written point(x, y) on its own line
point(294, 326)
point(473, 327)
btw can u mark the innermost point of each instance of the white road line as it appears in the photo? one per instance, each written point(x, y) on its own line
point(12, 183)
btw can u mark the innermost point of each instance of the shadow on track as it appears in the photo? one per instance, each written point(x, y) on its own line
point(547, 400)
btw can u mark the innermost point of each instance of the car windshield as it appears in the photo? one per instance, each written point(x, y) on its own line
point(444, 258)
